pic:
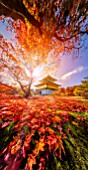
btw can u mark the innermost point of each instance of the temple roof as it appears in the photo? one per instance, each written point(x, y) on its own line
point(47, 83)
point(48, 78)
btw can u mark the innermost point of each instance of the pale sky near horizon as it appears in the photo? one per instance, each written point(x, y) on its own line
point(70, 71)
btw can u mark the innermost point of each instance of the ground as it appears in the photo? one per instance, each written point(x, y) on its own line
point(43, 133)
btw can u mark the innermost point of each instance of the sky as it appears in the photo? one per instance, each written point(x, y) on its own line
point(70, 72)
point(73, 70)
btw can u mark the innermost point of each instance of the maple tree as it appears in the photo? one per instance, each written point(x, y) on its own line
point(16, 67)
point(55, 24)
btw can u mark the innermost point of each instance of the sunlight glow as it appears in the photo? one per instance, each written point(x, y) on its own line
point(38, 71)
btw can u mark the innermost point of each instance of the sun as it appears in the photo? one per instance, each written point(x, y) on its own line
point(38, 71)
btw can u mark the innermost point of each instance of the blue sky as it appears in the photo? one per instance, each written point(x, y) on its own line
point(71, 70)
point(6, 34)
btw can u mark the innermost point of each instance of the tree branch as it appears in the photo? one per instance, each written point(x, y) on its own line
point(18, 11)
point(63, 39)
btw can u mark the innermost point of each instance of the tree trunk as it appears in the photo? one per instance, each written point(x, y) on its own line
point(26, 95)
point(28, 92)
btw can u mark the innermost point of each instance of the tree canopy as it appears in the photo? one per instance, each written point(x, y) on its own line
point(16, 67)
point(62, 20)
point(42, 30)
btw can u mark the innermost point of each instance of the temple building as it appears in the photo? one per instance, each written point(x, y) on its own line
point(47, 85)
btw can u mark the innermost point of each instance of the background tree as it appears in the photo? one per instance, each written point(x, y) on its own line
point(69, 91)
point(85, 87)
point(7, 89)
point(82, 90)
point(62, 91)
point(78, 91)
